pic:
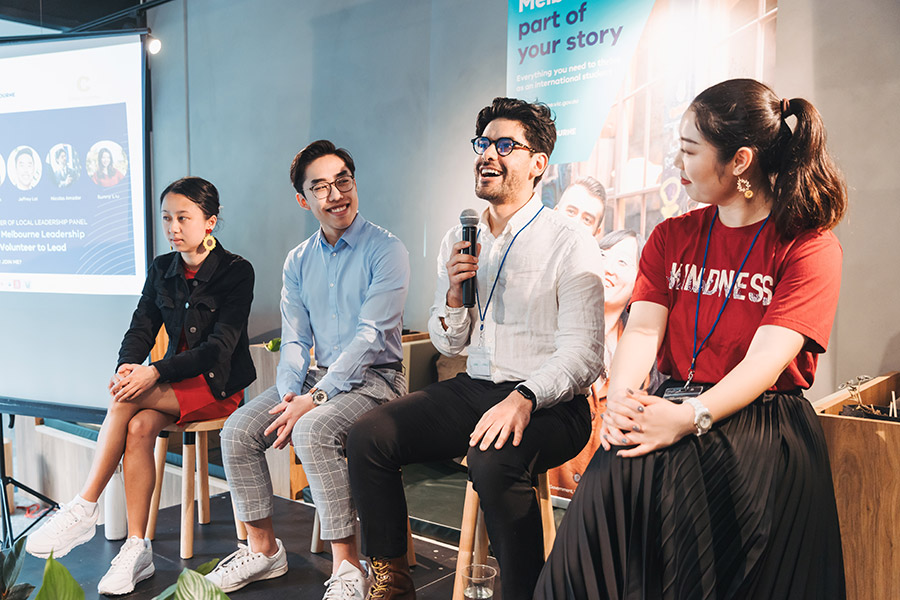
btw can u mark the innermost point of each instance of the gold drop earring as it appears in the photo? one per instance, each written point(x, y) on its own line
point(209, 242)
point(743, 186)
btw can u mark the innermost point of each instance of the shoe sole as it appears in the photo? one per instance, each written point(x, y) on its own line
point(60, 552)
point(270, 575)
point(146, 573)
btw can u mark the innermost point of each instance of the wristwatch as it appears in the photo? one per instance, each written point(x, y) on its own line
point(527, 393)
point(318, 397)
point(702, 416)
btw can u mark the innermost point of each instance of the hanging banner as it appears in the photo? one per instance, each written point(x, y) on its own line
point(572, 55)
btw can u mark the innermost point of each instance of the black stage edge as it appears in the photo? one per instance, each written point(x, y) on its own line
point(304, 580)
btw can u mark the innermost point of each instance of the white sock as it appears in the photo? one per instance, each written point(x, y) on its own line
point(89, 506)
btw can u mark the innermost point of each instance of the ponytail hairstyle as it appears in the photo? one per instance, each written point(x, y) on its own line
point(808, 190)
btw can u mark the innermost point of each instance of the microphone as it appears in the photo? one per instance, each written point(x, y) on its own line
point(469, 221)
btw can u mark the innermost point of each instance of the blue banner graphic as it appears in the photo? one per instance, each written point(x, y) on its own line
point(573, 56)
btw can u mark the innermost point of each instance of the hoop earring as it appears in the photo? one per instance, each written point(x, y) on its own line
point(743, 186)
point(209, 242)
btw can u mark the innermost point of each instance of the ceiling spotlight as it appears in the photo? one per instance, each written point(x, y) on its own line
point(153, 45)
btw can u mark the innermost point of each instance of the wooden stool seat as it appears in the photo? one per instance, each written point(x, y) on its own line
point(473, 537)
point(194, 451)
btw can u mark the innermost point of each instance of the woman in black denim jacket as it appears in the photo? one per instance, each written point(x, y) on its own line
point(202, 294)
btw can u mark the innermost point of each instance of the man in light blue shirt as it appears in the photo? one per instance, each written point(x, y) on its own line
point(344, 291)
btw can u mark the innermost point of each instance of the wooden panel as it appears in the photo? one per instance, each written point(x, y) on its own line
point(865, 460)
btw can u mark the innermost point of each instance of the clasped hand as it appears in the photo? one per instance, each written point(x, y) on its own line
point(131, 380)
point(292, 407)
point(647, 422)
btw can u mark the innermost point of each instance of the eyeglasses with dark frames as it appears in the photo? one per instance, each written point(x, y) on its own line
point(504, 145)
point(322, 190)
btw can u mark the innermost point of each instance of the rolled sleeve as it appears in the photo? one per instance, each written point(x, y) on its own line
point(579, 339)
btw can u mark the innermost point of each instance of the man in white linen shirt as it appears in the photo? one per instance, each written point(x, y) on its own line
point(535, 343)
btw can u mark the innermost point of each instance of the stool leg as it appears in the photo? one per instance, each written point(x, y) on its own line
point(239, 526)
point(410, 549)
point(547, 520)
point(316, 545)
point(466, 539)
point(479, 556)
point(203, 476)
point(159, 455)
point(187, 495)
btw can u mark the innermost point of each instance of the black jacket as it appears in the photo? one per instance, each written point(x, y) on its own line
point(212, 308)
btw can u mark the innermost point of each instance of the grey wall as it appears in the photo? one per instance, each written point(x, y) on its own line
point(845, 58)
point(397, 82)
point(241, 86)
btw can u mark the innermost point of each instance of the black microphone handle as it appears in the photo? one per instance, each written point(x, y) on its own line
point(469, 234)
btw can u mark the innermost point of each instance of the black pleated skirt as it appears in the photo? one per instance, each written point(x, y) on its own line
point(746, 511)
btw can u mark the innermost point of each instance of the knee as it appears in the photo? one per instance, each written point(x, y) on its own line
point(313, 430)
point(142, 432)
point(492, 474)
point(237, 435)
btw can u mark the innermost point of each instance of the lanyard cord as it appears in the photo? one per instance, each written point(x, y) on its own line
point(483, 314)
point(697, 349)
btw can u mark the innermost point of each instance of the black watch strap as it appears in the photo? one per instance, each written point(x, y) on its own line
point(527, 393)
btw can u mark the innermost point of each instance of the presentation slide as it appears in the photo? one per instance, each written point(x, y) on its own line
point(72, 212)
point(73, 231)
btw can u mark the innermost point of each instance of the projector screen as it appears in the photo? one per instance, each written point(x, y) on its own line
point(73, 213)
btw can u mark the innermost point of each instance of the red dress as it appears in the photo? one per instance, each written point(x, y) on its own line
point(194, 398)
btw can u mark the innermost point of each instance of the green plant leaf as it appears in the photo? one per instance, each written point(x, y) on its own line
point(208, 567)
point(58, 583)
point(12, 564)
point(19, 592)
point(194, 586)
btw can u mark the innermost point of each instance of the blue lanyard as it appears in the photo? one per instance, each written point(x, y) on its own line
point(697, 349)
point(483, 314)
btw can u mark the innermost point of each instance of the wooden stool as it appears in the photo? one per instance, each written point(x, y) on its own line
point(195, 449)
point(473, 538)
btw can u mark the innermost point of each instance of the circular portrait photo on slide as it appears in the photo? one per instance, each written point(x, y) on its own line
point(24, 167)
point(106, 163)
point(64, 164)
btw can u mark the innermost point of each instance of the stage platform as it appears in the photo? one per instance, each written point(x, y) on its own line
point(293, 520)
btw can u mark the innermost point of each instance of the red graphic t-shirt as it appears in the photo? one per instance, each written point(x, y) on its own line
point(793, 284)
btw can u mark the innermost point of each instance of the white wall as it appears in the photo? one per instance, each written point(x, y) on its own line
point(241, 86)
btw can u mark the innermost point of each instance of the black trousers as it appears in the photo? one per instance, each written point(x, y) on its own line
point(435, 424)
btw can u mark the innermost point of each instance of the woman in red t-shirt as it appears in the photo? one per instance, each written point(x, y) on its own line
point(718, 485)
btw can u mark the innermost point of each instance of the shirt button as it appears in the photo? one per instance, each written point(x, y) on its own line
point(335, 347)
point(223, 394)
point(334, 316)
point(331, 285)
point(334, 253)
point(187, 304)
point(193, 330)
point(212, 375)
point(194, 282)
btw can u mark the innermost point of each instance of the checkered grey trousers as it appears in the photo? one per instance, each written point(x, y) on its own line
point(318, 439)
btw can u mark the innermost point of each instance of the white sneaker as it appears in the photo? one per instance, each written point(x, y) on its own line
point(70, 526)
point(349, 583)
point(244, 566)
point(134, 563)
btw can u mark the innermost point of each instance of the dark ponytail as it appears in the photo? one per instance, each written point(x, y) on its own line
point(808, 189)
point(810, 192)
